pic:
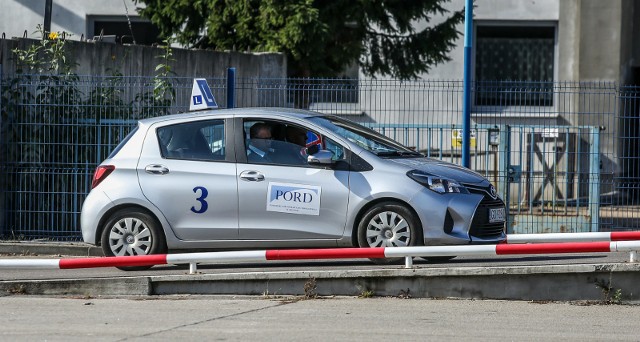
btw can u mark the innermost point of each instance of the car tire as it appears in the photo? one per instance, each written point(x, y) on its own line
point(438, 259)
point(389, 224)
point(132, 232)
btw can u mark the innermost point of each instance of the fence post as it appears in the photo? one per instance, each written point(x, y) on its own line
point(231, 87)
point(594, 178)
point(466, 102)
point(2, 147)
point(505, 172)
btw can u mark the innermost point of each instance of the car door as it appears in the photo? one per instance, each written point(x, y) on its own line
point(284, 199)
point(187, 171)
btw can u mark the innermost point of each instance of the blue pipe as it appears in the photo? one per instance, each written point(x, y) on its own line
point(231, 87)
point(466, 92)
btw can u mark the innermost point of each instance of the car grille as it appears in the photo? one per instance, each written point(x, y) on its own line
point(480, 226)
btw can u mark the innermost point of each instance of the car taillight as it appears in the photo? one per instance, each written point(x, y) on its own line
point(101, 173)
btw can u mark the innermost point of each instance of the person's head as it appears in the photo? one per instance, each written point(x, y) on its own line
point(296, 135)
point(260, 130)
point(260, 134)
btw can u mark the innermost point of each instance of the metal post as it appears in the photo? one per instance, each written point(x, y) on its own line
point(594, 178)
point(505, 170)
point(408, 262)
point(47, 18)
point(193, 268)
point(466, 105)
point(231, 87)
point(2, 190)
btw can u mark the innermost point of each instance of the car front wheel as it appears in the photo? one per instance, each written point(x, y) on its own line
point(389, 224)
point(132, 232)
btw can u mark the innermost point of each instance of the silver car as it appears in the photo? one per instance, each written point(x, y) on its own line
point(279, 178)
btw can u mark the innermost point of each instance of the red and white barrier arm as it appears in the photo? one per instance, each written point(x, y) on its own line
point(573, 237)
point(320, 254)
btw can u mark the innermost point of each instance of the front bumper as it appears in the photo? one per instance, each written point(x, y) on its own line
point(456, 219)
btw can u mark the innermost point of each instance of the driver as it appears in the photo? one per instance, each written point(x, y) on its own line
point(259, 146)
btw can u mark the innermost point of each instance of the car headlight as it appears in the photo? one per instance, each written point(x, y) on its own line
point(437, 184)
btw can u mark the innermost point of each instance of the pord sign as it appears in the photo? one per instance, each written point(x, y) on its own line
point(294, 198)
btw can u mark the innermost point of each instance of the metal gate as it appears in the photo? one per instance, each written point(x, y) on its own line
point(551, 178)
point(548, 175)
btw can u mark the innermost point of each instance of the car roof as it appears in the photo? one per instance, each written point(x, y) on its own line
point(266, 111)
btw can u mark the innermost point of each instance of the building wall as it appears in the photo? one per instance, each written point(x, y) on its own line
point(594, 43)
point(66, 15)
point(594, 37)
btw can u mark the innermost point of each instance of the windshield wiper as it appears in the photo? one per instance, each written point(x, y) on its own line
point(398, 153)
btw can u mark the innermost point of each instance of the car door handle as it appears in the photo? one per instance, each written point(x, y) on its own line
point(156, 169)
point(252, 176)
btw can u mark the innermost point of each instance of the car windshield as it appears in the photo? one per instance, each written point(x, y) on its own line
point(364, 137)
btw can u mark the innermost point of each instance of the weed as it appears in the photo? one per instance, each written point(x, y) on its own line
point(405, 294)
point(309, 288)
point(610, 295)
point(364, 292)
point(20, 289)
point(267, 295)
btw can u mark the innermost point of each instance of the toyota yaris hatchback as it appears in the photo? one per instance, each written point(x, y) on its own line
point(279, 178)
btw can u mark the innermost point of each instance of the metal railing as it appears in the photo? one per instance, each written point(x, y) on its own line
point(570, 164)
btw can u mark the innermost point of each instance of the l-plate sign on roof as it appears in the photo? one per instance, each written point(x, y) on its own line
point(201, 96)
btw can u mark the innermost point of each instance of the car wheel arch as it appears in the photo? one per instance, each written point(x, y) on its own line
point(369, 205)
point(107, 215)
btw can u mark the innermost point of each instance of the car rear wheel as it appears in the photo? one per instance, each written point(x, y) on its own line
point(132, 232)
point(389, 224)
point(438, 259)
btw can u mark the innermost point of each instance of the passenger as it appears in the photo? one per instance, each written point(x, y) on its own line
point(297, 136)
point(293, 151)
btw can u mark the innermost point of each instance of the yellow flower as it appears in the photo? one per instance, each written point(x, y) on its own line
point(53, 35)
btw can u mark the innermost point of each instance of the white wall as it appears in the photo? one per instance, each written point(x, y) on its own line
point(16, 16)
point(489, 10)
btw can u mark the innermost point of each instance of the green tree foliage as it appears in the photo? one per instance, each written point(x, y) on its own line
point(320, 37)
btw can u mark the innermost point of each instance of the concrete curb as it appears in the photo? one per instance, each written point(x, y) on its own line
point(49, 248)
point(593, 282)
point(540, 283)
point(93, 287)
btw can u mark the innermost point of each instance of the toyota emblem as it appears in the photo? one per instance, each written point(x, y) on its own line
point(492, 191)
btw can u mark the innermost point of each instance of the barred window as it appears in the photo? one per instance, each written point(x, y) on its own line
point(514, 65)
point(116, 29)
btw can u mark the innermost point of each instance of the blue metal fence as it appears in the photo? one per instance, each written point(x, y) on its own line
point(568, 164)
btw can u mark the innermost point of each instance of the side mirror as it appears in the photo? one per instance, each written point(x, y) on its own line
point(322, 157)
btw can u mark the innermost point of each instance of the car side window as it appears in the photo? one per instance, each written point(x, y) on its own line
point(201, 140)
point(335, 148)
point(273, 142)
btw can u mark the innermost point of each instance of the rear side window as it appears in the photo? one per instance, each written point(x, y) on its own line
point(200, 140)
point(122, 143)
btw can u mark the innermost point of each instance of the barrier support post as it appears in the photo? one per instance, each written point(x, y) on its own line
point(193, 268)
point(408, 262)
point(633, 256)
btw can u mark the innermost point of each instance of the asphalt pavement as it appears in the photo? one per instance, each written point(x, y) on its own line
point(279, 318)
point(602, 277)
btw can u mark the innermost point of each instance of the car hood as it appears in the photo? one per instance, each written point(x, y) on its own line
point(441, 169)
